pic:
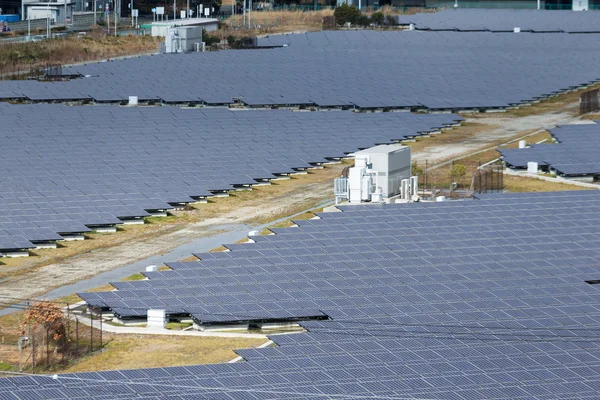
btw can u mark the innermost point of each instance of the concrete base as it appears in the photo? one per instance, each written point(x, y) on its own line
point(586, 179)
point(134, 322)
point(105, 229)
point(136, 221)
point(71, 238)
point(39, 246)
point(157, 213)
point(16, 254)
point(224, 328)
point(276, 325)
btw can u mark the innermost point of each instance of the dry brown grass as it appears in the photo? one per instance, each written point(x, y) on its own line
point(592, 116)
point(276, 22)
point(552, 104)
point(452, 137)
point(524, 184)
point(133, 351)
point(126, 351)
point(95, 46)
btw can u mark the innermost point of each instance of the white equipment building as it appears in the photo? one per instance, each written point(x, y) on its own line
point(184, 39)
point(380, 174)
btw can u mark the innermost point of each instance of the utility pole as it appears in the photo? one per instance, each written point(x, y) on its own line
point(116, 5)
point(187, 10)
point(174, 9)
point(131, 11)
point(95, 8)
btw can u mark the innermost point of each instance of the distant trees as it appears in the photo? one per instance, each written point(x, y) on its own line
point(351, 14)
point(345, 13)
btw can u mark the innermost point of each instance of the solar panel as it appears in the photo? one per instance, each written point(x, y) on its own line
point(405, 70)
point(504, 20)
point(575, 154)
point(73, 168)
point(401, 323)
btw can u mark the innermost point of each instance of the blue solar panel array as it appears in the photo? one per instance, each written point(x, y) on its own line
point(482, 299)
point(364, 69)
point(63, 169)
point(540, 21)
point(575, 154)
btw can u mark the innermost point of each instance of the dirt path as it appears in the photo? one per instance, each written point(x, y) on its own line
point(262, 205)
point(489, 130)
point(258, 208)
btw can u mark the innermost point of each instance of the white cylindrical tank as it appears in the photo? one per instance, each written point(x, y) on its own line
point(151, 268)
point(414, 185)
point(522, 144)
point(367, 183)
point(532, 167)
point(133, 100)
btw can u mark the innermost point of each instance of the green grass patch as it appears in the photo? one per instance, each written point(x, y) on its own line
point(178, 326)
point(135, 277)
point(7, 367)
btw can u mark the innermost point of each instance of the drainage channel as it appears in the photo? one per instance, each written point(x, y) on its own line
point(232, 234)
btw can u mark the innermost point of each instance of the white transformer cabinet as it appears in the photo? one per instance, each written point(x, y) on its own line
point(391, 164)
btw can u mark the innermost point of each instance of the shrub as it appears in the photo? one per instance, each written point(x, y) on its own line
point(390, 20)
point(377, 18)
point(209, 40)
point(362, 20)
point(458, 170)
point(346, 13)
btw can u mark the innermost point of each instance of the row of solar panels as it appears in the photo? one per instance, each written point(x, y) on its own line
point(71, 168)
point(412, 70)
point(575, 154)
point(523, 327)
point(540, 21)
point(281, 277)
